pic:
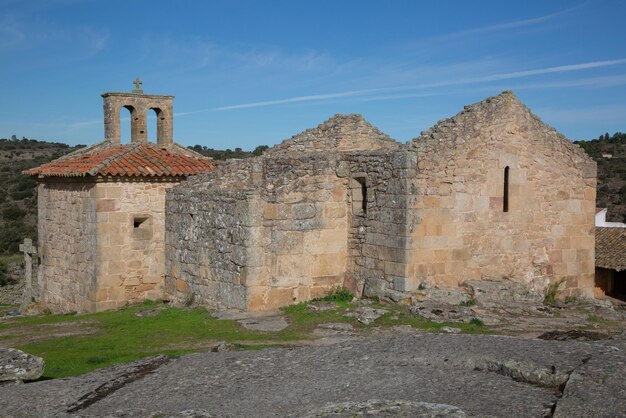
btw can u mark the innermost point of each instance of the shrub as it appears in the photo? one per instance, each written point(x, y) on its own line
point(336, 294)
point(21, 194)
point(551, 292)
point(5, 278)
point(13, 213)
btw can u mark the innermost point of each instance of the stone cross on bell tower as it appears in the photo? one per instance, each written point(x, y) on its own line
point(139, 104)
point(137, 83)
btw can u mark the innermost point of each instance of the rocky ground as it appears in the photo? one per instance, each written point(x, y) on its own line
point(555, 360)
point(391, 375)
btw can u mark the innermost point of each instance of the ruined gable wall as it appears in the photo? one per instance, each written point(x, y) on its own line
point(130, 255)
point(340, 133)
point(463, 233)
point(67, 245)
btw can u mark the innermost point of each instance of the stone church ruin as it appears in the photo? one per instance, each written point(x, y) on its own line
point(491, 193)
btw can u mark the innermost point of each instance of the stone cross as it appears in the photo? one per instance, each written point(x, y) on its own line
point(137, 84)
point(28, 250)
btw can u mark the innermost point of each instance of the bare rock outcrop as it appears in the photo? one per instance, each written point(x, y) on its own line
point(17, 365)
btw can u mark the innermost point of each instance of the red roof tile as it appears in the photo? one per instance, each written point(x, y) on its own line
point(611, 248)
point(126, 160)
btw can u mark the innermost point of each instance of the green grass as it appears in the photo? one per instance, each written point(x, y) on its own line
point(121, 336)
point(336, 294)
point(468, 303)
point(302, 321)
point(399, 315)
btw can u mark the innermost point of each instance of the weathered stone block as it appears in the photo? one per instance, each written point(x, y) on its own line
point(287, 242)
point(107, 205)
point(291, 266)
point(303, 211)
point(406, 284)
point(324, 241)
point(327, 264)
point(182, 286)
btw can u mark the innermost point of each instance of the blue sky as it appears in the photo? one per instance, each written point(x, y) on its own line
point(247, 73)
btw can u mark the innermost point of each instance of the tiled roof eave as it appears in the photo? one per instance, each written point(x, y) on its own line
point(132, 160)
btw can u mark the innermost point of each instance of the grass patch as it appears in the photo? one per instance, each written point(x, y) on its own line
point(302, 321)
point(468, 303)
point(122, 337)
point(582, 309)
point(574, 300)
point(400, 315)
point(477, 322)
point(594, 318)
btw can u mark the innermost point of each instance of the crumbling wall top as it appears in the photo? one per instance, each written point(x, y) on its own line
point(339, 133)
point(480, 118)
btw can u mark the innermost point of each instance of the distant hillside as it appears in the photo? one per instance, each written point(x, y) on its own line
point(18, 194)
point(610, 154)
point(228, 153)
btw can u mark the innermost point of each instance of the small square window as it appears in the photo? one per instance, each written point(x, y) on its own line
point(139, 220)
point(142, 227)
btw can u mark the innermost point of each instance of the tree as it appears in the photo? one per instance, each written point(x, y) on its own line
point(259, 150)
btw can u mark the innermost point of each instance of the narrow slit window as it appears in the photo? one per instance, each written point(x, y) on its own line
point(364, 194)
point(359, 195)
point(505, 199)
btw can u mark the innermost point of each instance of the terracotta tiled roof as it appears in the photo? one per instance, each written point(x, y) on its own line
point(598, 210)
point(611, 248)
point(107, 159)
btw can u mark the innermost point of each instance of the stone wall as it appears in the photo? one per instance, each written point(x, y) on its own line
point(304, 228)
point(67, 245)
point(206, 245)
point(461, 230)
point(273, 230)
point(130, 256)
point(379, 228)
point(101, 242)
point(259, 233)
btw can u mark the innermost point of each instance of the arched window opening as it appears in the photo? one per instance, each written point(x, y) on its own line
point(126, 122)
point(505, 200)
point(155, 120)
point(153, 124)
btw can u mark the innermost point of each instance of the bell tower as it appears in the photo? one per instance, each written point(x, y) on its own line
point(139, 104)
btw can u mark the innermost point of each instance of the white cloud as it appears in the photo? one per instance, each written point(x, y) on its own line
point(424, 86)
